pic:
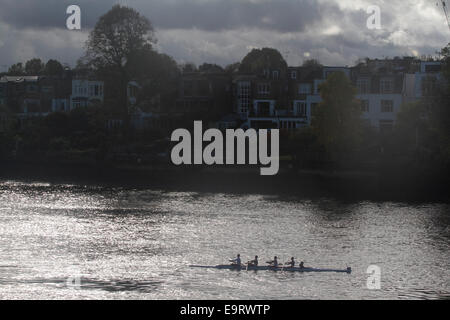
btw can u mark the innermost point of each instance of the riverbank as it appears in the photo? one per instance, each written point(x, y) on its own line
point(352, 185)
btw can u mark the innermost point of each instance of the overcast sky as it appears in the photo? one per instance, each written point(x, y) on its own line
point(223, 31)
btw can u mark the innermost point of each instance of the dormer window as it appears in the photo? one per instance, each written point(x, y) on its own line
point(293, 75)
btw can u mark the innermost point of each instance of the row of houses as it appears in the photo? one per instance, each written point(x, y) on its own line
point(274, 98)
point(285, 99)
point(39, 95)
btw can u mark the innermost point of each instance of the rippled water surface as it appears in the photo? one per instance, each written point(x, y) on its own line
point(138, 244)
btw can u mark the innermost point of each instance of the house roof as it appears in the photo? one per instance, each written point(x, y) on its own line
point(19, 79)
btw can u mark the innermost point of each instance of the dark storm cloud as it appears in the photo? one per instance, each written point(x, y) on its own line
point(48, 13)
point(212, 15)
point(223, 31)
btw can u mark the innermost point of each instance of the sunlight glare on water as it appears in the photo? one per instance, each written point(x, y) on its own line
point(126, 243)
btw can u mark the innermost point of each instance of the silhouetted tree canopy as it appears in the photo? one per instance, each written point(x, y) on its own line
point(259, 59)
point(313, 63)
point(16, 69)
point(53, 68)
point(188, 67)
point(117, 35)
point(34, 67)
point(115, 40)
point(208, 67)
point(156, 73)
point(233, 68)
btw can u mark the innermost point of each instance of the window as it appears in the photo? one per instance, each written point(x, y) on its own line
point(300, 108)
point(387, 106)
point(386, 86)
point(304, 88)
point(293, 75)
point(365, 105)
point(363, 85)
point(243, 97)
point(264, 88)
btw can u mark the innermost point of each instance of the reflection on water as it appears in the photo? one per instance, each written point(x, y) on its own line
point(138, 244)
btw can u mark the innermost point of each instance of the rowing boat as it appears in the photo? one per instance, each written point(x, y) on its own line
point(269, 268)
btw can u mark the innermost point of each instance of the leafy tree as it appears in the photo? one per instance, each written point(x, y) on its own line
point(16, 69)
point(313, 63)
point(208, 67)
point(53, 68)
point(260, 59)
point(445, 53)
point(189, 67)
point(439, 105)
point(34, 67)
point(336, 120)
point(118, 34)
point(232, 68)
point(411, 126)
point(157, 74)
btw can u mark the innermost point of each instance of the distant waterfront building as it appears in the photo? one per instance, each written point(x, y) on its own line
point(86, 92)
point(381, 95)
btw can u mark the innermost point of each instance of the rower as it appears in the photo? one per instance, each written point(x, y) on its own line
point(253, 263)
point(274, 262)
point(302, 266)
point(237, 261)
point(291, 263)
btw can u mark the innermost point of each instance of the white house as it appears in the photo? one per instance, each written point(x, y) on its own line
point(380, 110)
point(86, 92)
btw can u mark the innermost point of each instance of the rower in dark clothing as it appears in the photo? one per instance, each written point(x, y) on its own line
point(253, 263)
point(291, 263)
point(273, 263)
point(237, 261)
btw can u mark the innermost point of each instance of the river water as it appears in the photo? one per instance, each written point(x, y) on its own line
point(84, 242)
